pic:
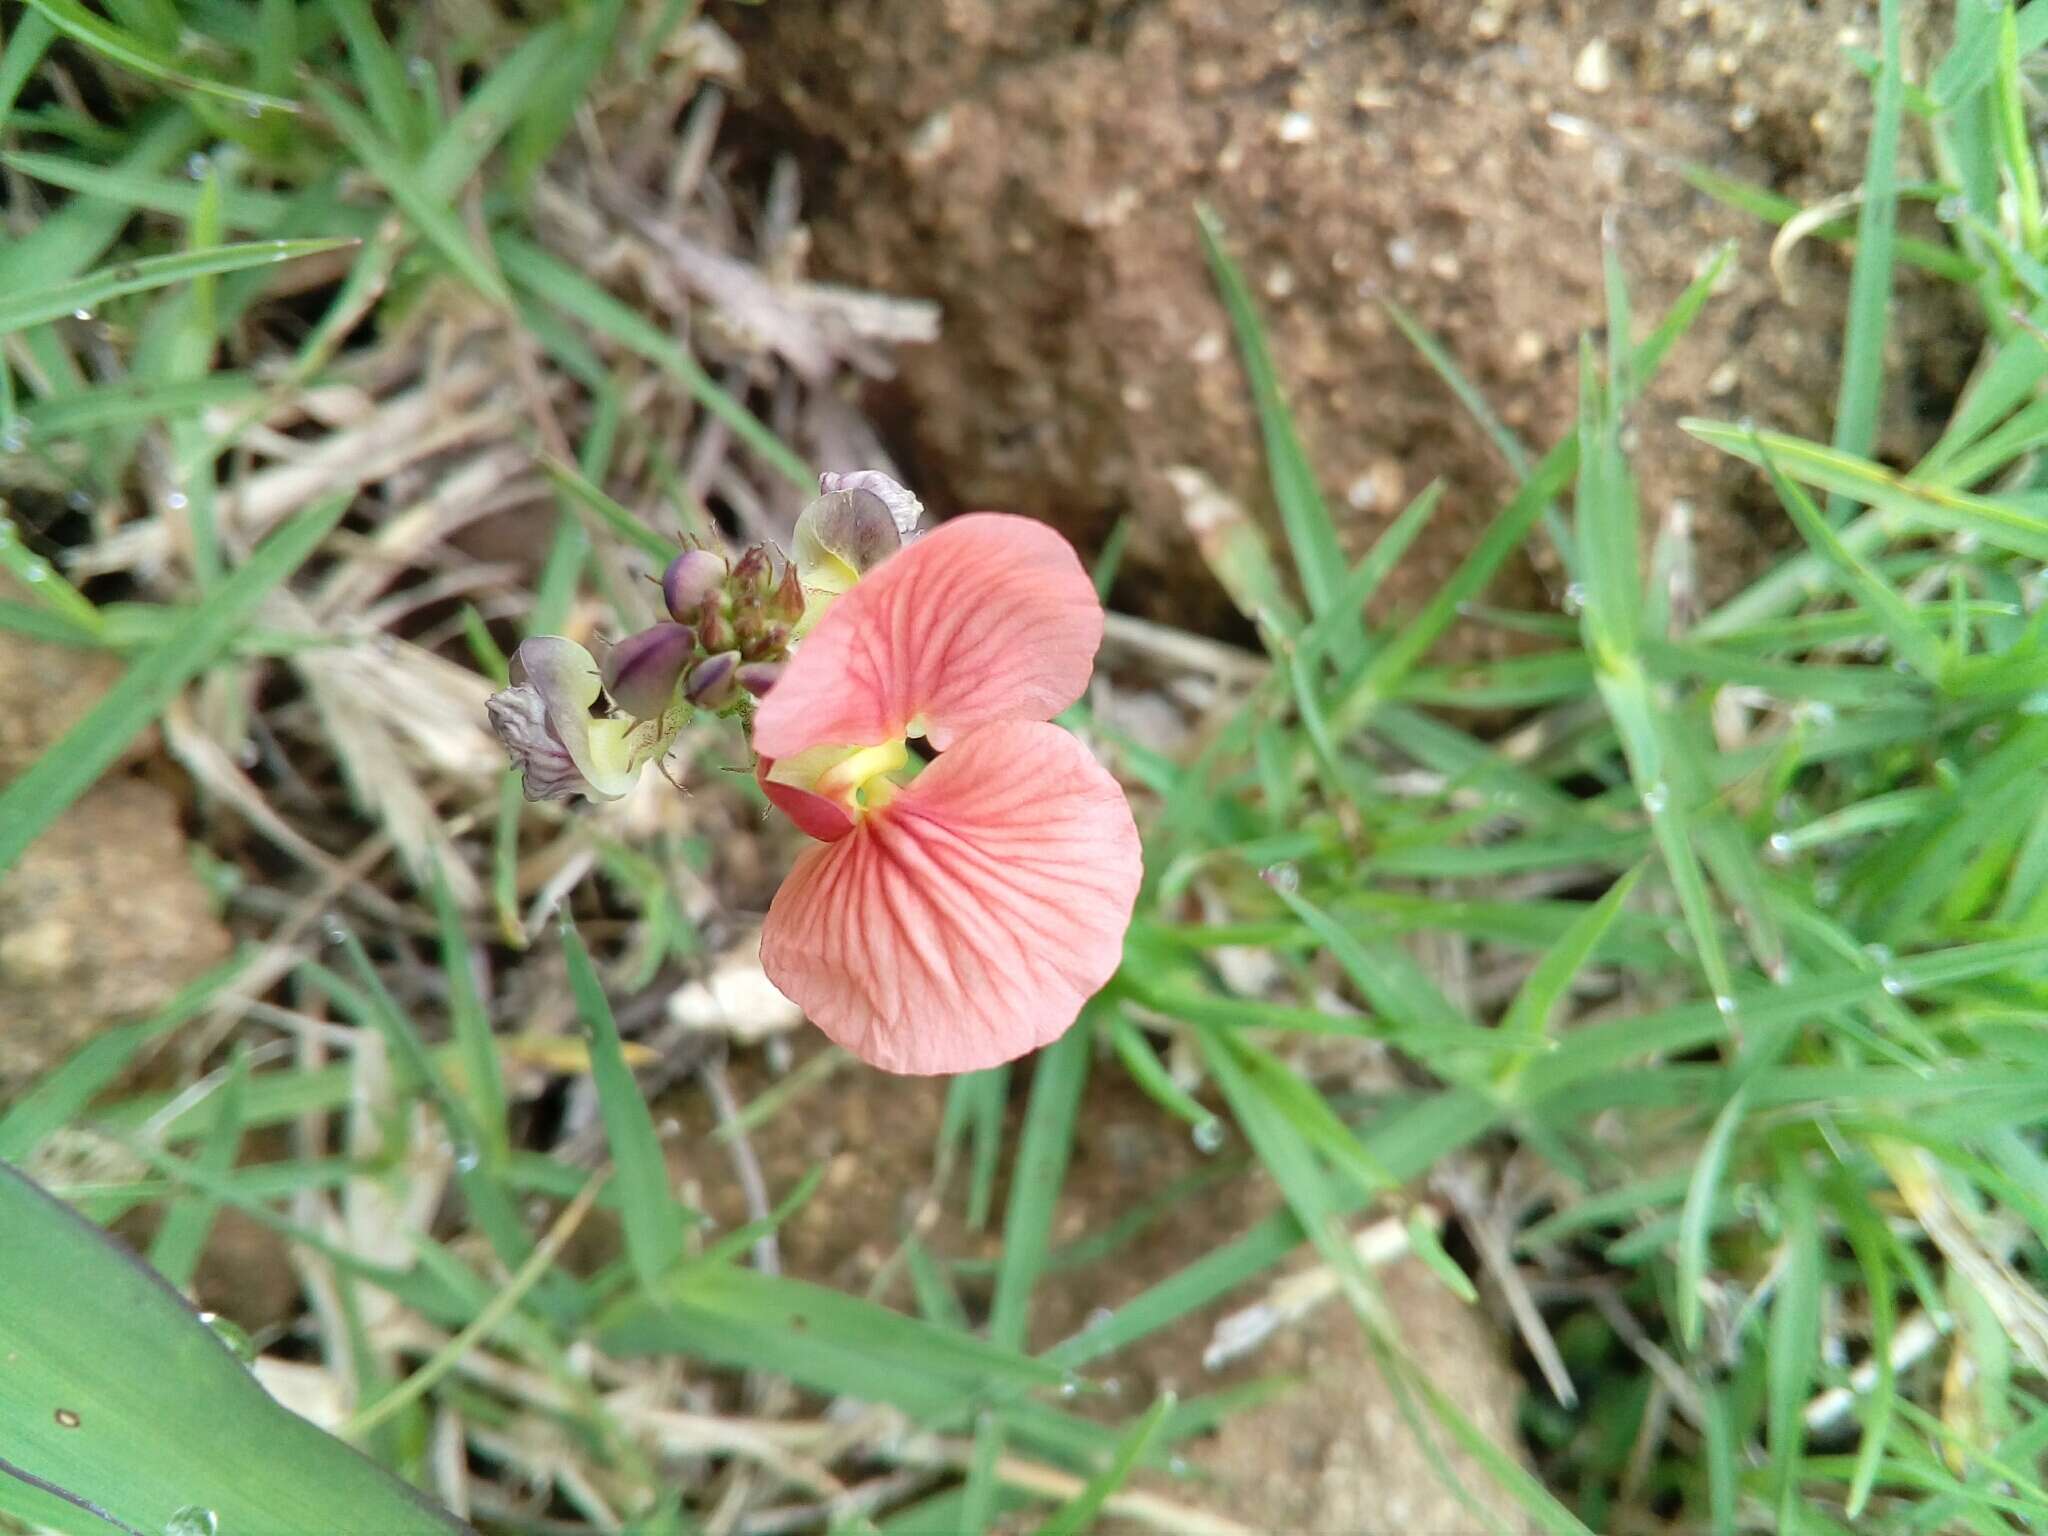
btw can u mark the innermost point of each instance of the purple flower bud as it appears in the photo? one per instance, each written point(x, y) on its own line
point(714, 681)
point(691, 578)
point(757, 677)
point(642, 670)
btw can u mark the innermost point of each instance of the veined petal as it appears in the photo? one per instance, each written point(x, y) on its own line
point(987, 618)
point(966, 922)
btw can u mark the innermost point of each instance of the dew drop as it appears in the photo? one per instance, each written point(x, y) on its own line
point(1780, 845)
point(253, 109)
point(1656, 798)
point(1949, 209)
point(248, 754)
point(176, 501)
point(1101, 1317)
point(1071, 1387)
point(1208, 1135)
point(1893, 985)
point(1880, 954)
point(81, 314)
point(1282, 876)
point(192, 1520)
point(1575, 599)
point(332, 930)
point(36, 573)
point(232, 1334)
point(67, 1418)
point(197, 165)
point(1177, 1466)
point(79, 501)
point(468, 1160)
point(1726, 1005)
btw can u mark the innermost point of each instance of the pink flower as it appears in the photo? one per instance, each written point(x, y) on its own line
point(961, 918)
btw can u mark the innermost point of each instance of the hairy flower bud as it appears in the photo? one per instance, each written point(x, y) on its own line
point(642, 670)
point(753, 578)
point(691, 577)
point(786, 603)
point(714, 681)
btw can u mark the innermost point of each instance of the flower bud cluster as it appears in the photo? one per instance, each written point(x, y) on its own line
point(739, 620)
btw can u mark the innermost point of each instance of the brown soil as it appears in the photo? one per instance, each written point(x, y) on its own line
point(1033, 165)
point(103, 915)
point(1334, 1454)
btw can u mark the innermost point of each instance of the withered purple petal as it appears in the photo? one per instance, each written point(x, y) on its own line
point(520, 719)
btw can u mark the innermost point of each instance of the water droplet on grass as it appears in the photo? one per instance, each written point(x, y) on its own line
point(1656, 798)
point(192, 1520)
point(1893, 985)
point(1726, 1005)
point(1208, 1135)
point(177, 501)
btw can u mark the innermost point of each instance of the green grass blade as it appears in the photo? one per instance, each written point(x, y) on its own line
point(1870, 277)
point(124, 48)
point(117, 1398)
point(1078, 1513)
point(433, 217)
point(1695, 1218)
point(563, 289)
point(34, 306)
point(655, 1230)
point(1040, 1170)
point(90, 747)
point(1318, 557)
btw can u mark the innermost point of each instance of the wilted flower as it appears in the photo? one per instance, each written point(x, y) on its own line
point(958, 918)
point(562, 747)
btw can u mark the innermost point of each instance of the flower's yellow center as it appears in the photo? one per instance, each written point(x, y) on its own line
point(856, 779)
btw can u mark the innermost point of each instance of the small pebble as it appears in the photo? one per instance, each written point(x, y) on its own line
point(1594, 71)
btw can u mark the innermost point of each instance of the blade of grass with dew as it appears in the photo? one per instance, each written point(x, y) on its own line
point(192, 1438)
point(656, 1233)
point(1608, 553)
point(90, 747)
point(32, 306)
point(122, 47)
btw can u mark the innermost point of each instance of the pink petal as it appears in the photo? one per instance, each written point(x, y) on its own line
point(966, 922)
point(989, 617)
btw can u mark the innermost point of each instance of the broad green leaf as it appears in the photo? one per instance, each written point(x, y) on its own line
point(118, 1399)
